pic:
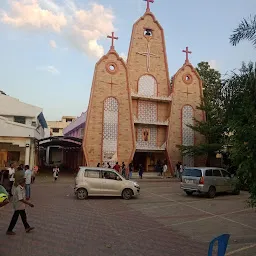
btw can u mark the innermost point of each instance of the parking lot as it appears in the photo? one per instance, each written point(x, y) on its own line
point(162, 221)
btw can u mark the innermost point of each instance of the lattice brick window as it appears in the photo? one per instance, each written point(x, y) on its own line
point(147, 86)
point(110, 131)
point(188, 134)
point(147, 137)
point(147, 111)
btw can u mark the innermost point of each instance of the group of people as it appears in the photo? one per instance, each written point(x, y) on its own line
point(122, 169)
point(161, 168)
point(18, 186)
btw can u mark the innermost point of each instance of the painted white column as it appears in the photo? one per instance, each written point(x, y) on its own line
point(32, 155)
point(27, 155)
point(48, 155)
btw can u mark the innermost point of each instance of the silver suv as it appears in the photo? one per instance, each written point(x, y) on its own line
point(208, 180)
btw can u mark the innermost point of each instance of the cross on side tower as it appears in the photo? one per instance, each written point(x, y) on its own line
point(111, 83)
point(148, 4)
point(187, 52)
point(112, 39)
point(187, 92)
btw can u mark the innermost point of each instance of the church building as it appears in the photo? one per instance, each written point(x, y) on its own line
point(135, 113)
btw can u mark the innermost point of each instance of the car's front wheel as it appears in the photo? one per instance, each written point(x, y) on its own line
point(127, 194)
point(81, 194)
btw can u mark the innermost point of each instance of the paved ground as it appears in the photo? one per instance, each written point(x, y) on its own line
point(162, 221)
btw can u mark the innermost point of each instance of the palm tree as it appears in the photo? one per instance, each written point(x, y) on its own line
point(245, 30)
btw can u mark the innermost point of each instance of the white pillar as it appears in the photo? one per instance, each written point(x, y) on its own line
point(27, 154)
point(32, 155)
point(48, 155)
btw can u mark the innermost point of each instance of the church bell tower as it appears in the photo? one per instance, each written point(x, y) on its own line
point(150, 90)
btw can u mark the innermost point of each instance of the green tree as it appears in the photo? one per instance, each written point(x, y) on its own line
point(242, 124)
point(214, 127)
point(245, 30)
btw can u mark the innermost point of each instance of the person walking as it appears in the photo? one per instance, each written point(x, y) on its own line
point(19, 203)
point(55, 171)
point(140, 170)
point(11, 170)
point(131, 168)
point(28, 177)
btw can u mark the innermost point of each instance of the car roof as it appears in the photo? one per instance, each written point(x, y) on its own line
point(203, 168)
point(97, 168)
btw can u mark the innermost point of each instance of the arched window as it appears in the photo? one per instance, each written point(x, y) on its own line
point(147, 86)
point(110, 131)
point(188, 135)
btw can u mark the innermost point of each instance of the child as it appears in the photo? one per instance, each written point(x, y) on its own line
point(19, 203)
point(55, 171)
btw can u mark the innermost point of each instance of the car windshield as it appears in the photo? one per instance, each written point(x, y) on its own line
point(192, 172)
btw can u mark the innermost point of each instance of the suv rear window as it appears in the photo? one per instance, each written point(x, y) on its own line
point(192, 172)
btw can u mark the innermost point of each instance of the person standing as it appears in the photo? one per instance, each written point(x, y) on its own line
point(98, 165)
point(178, 170)
point(19, 203)
point(34, 173)
point(28, 177)
point(117, 167)
point(140, 170)
point(55, 171)
point(19, 174)
point(123, 170)
point(11, 170)
point(131, 168)
point(109, 166)
point(181, 171)
point(165, 169)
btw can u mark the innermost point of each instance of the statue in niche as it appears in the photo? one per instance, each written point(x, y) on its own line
point(146, 134)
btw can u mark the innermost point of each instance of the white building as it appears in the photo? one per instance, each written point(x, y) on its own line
point(21, 126)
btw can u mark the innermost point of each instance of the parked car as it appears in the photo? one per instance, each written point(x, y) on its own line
point(96, 181)
point(208, 180)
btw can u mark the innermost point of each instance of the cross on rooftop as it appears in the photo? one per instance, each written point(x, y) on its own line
point(187, 52)
point(112, 39)
point(148, 4)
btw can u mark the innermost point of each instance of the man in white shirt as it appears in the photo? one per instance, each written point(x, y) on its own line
point(11, 177)
point(28, 177)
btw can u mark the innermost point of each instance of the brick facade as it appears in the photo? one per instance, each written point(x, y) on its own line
point(150, 111)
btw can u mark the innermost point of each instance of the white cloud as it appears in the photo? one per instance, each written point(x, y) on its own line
point(53, 44)
point(50, 69)
point(29, 13)
point(213, 64)
point(82, 28)
point(124, 56)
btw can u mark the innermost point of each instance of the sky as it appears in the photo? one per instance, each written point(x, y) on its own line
point(48, 48)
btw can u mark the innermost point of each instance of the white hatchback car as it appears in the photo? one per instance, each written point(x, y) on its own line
point(96, 181)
